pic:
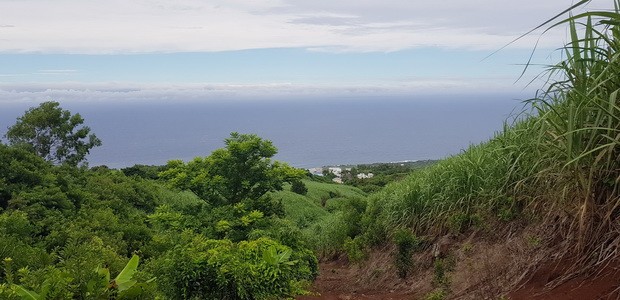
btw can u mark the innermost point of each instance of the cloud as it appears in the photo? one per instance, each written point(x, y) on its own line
point(139, 92)
point(12, 75)
point(117, 26)
point(55, 72)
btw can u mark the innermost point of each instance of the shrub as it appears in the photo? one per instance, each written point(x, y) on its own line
point(406, 243)
point(201, 268)
point(437, 294)
point(353, 209)
point(298, 187)
point(61, 284)
point(354, 249)
point(441, 267)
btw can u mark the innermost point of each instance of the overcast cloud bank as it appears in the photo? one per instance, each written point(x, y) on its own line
point(118, 26)
point(138, 92)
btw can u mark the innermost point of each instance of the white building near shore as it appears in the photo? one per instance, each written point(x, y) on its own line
point(336, 171)
point(365, 176)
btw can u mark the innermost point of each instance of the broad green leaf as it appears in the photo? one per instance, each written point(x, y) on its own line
point(123, 280)
point(27, 294)
point(284, 256)
point(105, 272)
point(291, 263)
point(126, 285)
point(269, 255)
point(135, 292)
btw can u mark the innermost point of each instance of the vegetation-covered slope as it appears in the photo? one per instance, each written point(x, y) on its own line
point(226, 226)
point(328, 215)
point(205, 230)
point(556, 169)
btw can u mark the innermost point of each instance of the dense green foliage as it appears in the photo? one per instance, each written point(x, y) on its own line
point(143, 171)
point(60, 224)
point(202, 268)
point(65, 229)
point(457, 192)
point(237, 225)
point(53, 133)
point(242, 170)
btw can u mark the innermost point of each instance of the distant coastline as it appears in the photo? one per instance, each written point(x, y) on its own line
point(337, 170)
point(325, 132)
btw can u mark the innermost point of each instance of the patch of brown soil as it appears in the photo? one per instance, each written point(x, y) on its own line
point(601, 284)
point(487, 269)
point(375, 280)
point(482, 266)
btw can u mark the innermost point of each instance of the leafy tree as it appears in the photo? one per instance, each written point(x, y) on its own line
point(143, 171)
point(298, 186)
point(241, 170)
point(19, 170)
point(53, 133)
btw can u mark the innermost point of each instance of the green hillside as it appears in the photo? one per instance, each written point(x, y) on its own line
point(555, 172)
point(320, 213)
point(543, 195)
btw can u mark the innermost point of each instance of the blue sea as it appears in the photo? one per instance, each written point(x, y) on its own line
point(307, 132)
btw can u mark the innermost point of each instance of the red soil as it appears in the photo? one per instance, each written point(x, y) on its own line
point(338, 281)
point(603, 284)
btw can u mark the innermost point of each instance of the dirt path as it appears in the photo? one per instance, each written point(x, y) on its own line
point(604, 284)
point(338, 281)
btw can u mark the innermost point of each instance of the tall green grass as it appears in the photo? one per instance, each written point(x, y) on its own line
point(580, 121)
point(560, 163)
point(459, 192)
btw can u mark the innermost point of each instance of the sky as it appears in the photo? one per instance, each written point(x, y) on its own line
point(205, 49)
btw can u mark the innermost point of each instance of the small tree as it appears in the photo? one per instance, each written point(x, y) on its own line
point(298, 186)
point(53, 134)
point(407, 243)
point(240, 171)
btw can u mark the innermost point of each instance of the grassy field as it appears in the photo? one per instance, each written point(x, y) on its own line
point(323, 213)
point(317, 203)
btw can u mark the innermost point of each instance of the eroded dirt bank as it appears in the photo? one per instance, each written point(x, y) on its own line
point(476, 266)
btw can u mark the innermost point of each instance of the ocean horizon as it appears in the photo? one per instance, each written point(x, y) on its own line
point(307, 133)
